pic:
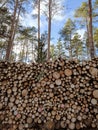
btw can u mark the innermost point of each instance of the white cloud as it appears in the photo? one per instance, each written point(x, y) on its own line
point(59, 16)
point(69, 14)
point(81, 32)
point(28, 20)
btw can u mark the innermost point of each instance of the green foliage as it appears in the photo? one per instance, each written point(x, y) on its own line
point(57, 50)
point(27, 38)
point(42, 48)
point(60, 49)
point(96, 37)
point(68, 30)
point(28, 32)
point(82, 11)
point(96, 4)
point(67, 34)
point(52, 52)
point(82, 15)
point(5, 20)
point(77, 46)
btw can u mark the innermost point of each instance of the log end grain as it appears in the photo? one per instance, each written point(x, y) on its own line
point(68, 72)
point(29, 120)
point(72, 126)
point(56, 75)
point(95, 93)
point(93, 101)
point(24, 93)
point(49, 125)
point(93, 71)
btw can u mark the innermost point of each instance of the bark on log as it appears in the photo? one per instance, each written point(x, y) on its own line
point(53, 95)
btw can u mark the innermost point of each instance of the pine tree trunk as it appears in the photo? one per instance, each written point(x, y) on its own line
point(15, 27)
point(70, 48)
point(27, 51)
point(92, 53)
point(38, 30)
point(11, 38)
point(49, 30)
point(87, 40)
point(23, 52)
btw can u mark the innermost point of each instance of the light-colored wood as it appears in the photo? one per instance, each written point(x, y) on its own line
point(56, 75)
point(63, 124)
point(72, 126)
point(29, 120)
point(54, 95)
point(78, 125)
point(20, 127)
point(58, 82)
point(94, 101)
point(58, 117)
point(94, 71)
point(24, 92)
point(49, 125)
point(95, 93)
point(68, 72)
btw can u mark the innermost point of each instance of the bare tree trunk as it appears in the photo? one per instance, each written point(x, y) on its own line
point(33, 53)
point(92, 53)
point(15, 27)
point(38, 30)
point(23, 52)
point(27, 51)
point(4, 4)
point(87, 40)
point(70, 48)
point(49, 29)
point(11, 38)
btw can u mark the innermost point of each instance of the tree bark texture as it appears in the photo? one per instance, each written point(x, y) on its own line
point(49, 29)
point(39, 31)
point(12, 33)
point(92, 52)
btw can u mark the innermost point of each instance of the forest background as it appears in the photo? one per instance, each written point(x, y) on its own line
point(40, 30)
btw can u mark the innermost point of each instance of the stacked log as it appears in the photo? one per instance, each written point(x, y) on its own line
point(53, 95)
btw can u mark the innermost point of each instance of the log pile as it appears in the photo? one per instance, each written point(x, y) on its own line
point(53, 95)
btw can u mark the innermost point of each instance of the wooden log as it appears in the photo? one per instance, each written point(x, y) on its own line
point(71, 126)
point(51, 85)
point(63, 124)
point(94, 71)
point(21, 127)
point(58, 82)
point(97, 116)
point(94, 101)
point(1, 106)
point(24, 93)
point(60, 92)
point(29, 120)
point(56, 75)
point(95, 93)
point(68, 72)
point(9, 91)
point(49, 125)
point(58, 117)
point(78, 126)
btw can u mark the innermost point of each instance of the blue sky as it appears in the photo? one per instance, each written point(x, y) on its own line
point(59, 20)
point(70, 7)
